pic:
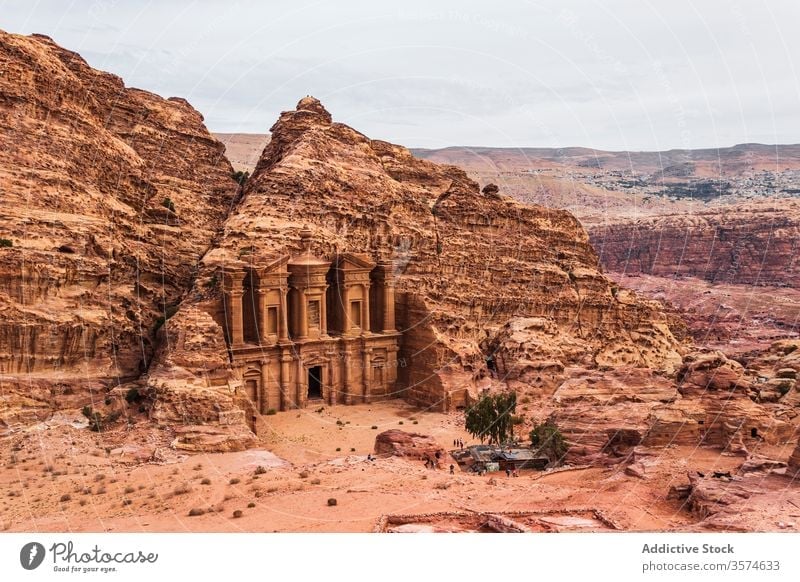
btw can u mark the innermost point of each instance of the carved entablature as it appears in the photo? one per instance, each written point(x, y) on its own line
point(283, 298)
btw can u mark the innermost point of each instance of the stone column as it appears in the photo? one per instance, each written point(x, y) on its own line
point(262, 314)
point(347, 360)
point(323, 312)
point(303, 314)
point(331, 378)
point(301, 392)
point(264, 404)
point(365, 325)
point(347, 325)
point(283, 319)
point(366, 374)
point(391, 367)
point(285, 393)
point(388, 306)
point(236, 324)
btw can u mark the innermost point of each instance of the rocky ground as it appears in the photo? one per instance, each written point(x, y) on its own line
point(58, 477)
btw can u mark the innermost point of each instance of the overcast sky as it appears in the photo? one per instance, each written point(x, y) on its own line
point(613, 74)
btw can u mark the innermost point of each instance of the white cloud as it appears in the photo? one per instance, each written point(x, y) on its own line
point(617, 74)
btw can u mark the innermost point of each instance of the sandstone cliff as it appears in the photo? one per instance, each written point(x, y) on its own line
point(110, 196)
point(752, 244)
point(468, 262)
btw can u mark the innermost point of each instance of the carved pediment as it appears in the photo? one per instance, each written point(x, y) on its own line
point(353, 262)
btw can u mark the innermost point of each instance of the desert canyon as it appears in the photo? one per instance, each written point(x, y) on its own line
point(185, 349)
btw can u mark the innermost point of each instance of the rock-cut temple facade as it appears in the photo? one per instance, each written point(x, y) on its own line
point(304, 331)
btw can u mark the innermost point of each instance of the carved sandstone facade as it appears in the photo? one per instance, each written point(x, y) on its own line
point(302, 329)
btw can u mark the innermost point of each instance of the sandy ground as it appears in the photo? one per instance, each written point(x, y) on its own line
point(63, 478)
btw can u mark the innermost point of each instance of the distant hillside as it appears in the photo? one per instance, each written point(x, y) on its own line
point(243, 149)
point(701, 163)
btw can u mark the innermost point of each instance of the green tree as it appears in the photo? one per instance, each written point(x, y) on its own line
point(490, 419)
point(548, 441)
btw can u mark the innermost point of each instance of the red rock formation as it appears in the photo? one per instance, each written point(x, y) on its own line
point(110, 196)
point(717, 409)
point(752, 244)
point(466, 262)
point(407, 444)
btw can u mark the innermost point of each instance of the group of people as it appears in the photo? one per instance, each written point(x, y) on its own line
point(433, 462)
point(512, 472)
point(458, 443)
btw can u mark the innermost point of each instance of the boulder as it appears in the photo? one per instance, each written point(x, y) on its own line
point(407, 444)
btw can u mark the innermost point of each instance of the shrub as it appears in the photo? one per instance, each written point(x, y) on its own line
point(95, 418)
point(235, 481)
point(195, 511)
point(5, 243)
point(205, 481)
point(66, 497)
point(260, 470)
point(303, 474)
point(332, 501)
point(251, 505)
point(126, 502)
point(240, 177)
point(168, 204)
point(133, 395)
point(374, 427)
point(238, 513)
point(212, 282)
point(315, 481)
point(129, 490)
point(271, 411)
point(338, 449)
point(182, 489)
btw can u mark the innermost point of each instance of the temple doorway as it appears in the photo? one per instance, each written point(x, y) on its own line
point(315, 382)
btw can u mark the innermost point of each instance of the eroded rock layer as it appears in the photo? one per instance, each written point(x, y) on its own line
point(751, 244)
point(467, 262)
point(110, 196)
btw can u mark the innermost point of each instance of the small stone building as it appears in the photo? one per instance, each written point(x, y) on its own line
point(304, 331)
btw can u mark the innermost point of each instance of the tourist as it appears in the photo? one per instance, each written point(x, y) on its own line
point(452, 469)
point(508, 472)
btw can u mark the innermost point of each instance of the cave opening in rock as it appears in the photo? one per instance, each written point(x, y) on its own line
point(754, 433)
